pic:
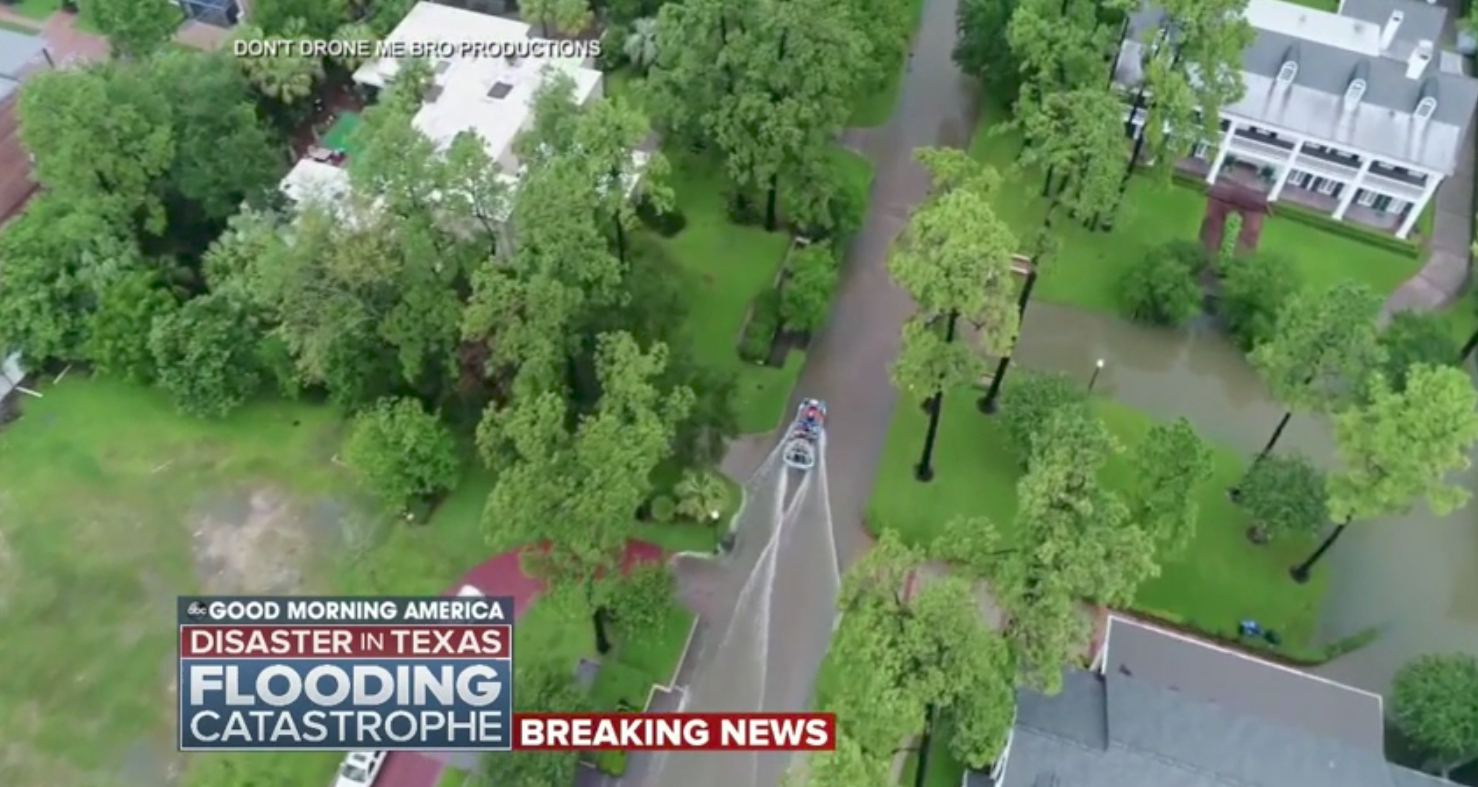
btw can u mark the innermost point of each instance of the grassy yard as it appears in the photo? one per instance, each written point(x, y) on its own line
point(1088, 266)
point(35, 9)
point(1220, 580)
point(112, 505)
point(725, 266)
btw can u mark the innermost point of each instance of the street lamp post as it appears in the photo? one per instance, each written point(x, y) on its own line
point(1092, 381)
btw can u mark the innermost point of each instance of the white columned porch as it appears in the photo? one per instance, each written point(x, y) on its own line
point(1409, 223)
point(1351, 189)
point(1286, 171)
point(1221, 151)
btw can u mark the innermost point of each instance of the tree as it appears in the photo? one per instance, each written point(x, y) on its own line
point(52, 253)
point(845, 766)
point(641, 44)
point(1192, 69)
point(701, 495)
point(117, 343)
point(570, 17)
point(1077, 542)
point(213, 111)
point(576, 492)
point(1059, 45)
point(927, 366)
point(788, 92)
point(204, 355)
point(1324, 347)
point(1163, 287)
point(1413, 338)
point(401, 453)
point(904, 658)
point(65, 114)
point(539, 12)
point(1284, 496)
point(982, 49)
point(1029, 402)
point(543, 686)
point(1399, 447)
point(1078, 136)
point(1173, 462)
point(284, 77)
point(1434, 702)
point(135, 30)
point(1255, 289)
point(311, 18)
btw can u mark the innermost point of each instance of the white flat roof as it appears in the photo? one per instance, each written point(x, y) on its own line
point(1309, 24)
point(487, 95)
point(315, 181)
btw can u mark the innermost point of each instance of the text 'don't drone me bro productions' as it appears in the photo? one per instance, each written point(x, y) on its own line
point(369, 50)
point(405, 674)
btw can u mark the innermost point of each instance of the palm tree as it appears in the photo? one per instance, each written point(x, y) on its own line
point(283, 76)
point(641, 43)
point(353, 31)
point(701, 495)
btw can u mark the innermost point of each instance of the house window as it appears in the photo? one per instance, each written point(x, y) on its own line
point(1425, 109)
point(1366, 197)
point(1287, 73)
point(1299, 178)
point(1325, 186)
point(1396, 205)
point(1198, 150)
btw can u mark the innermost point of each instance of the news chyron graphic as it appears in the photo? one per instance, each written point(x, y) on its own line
point(308, 673)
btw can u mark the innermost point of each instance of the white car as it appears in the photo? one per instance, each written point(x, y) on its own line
point(469, 590)
point(359, 769)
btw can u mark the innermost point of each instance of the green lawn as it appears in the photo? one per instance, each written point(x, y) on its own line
point(1088, 266)
point(35, 9)
point(1220, 580)
point(452, 777)
point(726, 266)
point(943, 769)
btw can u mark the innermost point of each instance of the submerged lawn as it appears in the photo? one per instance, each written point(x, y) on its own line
point(1088, 266)
point(1221, 579)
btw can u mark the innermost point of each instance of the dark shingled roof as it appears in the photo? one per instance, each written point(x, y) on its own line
point(1194, 715)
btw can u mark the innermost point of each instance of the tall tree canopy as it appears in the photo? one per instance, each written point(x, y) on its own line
point(134, 29)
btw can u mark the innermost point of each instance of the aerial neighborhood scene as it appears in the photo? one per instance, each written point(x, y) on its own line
point(1063, 393)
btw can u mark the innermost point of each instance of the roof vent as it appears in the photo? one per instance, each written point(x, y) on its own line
point(500, 90)
point(1388, 33)
point(1420, 58)
point(433, 93)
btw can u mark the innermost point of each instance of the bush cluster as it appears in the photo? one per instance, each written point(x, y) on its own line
point(666, 223)
point(1163, 288)
point(805, 295)
point(764, 323)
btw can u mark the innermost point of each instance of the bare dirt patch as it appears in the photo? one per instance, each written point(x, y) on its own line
point(258, 539)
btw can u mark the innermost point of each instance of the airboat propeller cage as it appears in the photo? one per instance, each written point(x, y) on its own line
point(804, 435)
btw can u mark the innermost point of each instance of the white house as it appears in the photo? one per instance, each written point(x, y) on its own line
point(1355, 113)
point(489, 96)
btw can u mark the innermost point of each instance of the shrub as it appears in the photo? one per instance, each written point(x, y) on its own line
point(759, 332)
point(1284, 495)
point(664, 508)
point(665, 223)
point(1416, 338)
point(744, 210)
point(400, 452)
point(1161, 288)
point(1253, 291)
point(805, 298)
point(611, 763)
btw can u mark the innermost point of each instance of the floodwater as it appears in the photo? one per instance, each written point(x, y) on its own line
point(1415, 576)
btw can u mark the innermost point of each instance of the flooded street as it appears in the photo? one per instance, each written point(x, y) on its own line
point(1415, 576)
